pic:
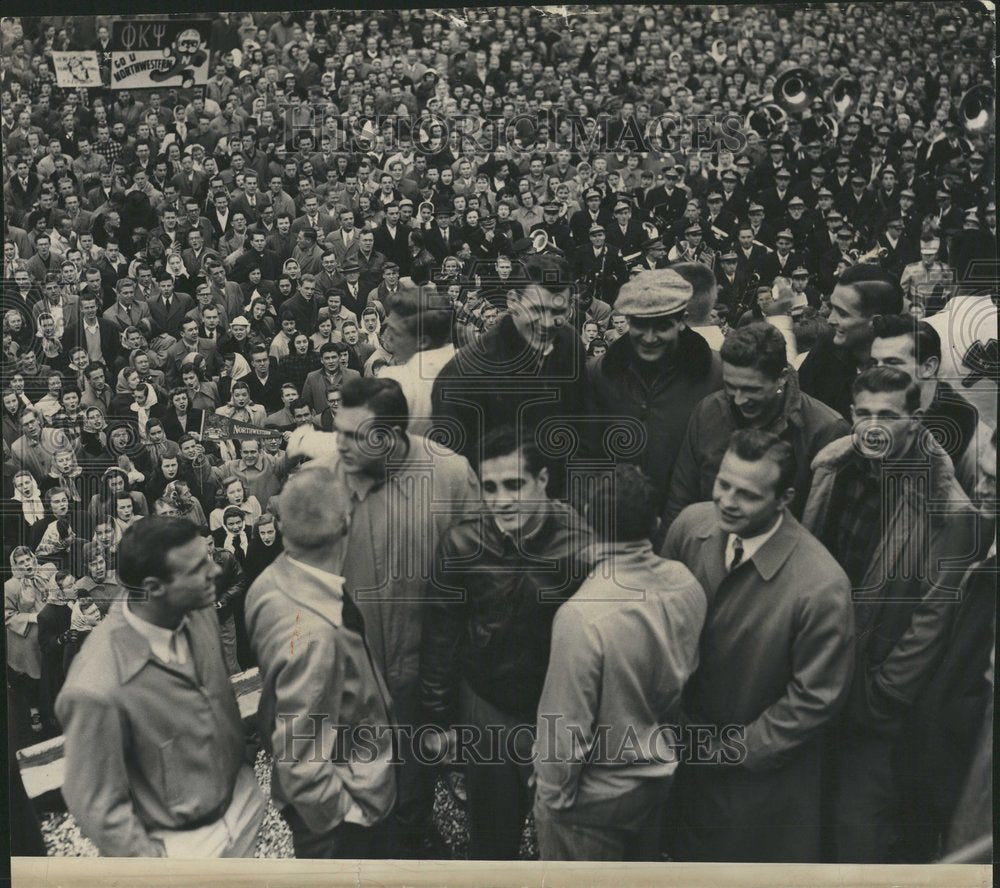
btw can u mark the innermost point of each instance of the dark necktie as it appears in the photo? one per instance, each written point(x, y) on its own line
point(351, 615)
point(737, 554)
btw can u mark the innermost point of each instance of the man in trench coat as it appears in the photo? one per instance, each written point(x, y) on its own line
point(776, 659)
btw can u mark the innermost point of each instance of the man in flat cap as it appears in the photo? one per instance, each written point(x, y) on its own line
point(657, 373)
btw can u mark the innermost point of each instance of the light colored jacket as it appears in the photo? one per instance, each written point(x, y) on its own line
point(317, 673)
point(147, 747)
point(623, 648)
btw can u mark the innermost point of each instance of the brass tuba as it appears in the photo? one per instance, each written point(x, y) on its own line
point(794, 90)
point(977, 109)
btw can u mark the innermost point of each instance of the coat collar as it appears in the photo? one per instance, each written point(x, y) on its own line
point(768, 559)
point(131, 650)
point(693, 356)
point(308, 591)
point(838, 453)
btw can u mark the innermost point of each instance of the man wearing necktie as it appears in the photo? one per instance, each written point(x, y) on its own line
point(780, 617)
point(153, 735)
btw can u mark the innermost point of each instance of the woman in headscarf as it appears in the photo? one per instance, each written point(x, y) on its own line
point(145, 406)
point(65, 474)
point(47, 346)
point(235, 367)
point(24, 513)
point(183, 283)
point(24, 595)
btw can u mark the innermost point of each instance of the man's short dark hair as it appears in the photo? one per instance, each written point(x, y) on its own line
point(382, 396)
point(753, 445)
point(880, 294)
point(508, 439)
point(926, 340)
point(144, 548)
point(881, 380)
point(758, 346)
point(549, 270)
point(622, 507)
point(703, 285)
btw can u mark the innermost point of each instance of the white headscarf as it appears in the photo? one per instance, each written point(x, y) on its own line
point(32, 507)
point(142, 410)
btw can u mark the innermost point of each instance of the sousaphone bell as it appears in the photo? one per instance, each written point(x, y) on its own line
point(977, 109)
point(794, 90)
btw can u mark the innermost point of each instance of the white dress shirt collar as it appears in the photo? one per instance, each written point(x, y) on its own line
point(751, 544)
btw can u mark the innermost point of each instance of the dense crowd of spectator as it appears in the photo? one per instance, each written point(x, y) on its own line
point(535, 249)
